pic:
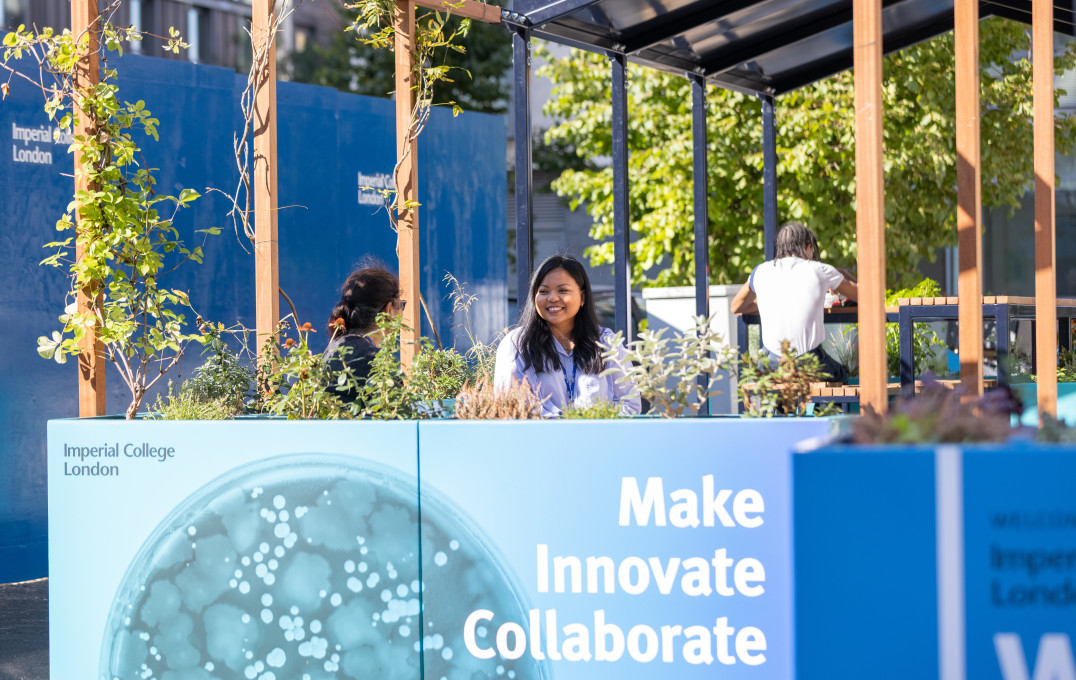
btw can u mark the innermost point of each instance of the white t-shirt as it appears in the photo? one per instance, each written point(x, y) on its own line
point(552, 388)
point(791, 293)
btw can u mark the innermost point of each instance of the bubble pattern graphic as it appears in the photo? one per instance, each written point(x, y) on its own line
point(306, 567)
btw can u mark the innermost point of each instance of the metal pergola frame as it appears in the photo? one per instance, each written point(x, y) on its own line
point(605, 27)
point(763, 47)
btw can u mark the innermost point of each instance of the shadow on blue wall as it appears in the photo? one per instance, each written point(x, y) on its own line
point(325, 141)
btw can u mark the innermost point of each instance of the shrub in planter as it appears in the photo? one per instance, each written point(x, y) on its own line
point(599, 410)
point(783, 387)
point(440, 373)
point(675, 374)
point(938, 415)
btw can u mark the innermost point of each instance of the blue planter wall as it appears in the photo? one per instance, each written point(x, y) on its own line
point(325, 141)
point(914, 560)
point(320, 547)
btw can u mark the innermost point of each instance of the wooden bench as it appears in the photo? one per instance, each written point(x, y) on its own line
point(824, 391)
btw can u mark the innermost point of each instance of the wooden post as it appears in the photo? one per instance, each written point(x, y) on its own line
point(266, 270)
point(1042, 48)
point(870, 202)
point(969, 198)
point(406, 179)
point(91, 359)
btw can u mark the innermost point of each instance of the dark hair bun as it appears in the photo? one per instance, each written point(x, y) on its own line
point(363, 296)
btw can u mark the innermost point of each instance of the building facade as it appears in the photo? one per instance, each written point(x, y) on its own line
point(215, 29)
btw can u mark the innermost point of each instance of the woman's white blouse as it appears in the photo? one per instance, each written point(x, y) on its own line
point(553, 388)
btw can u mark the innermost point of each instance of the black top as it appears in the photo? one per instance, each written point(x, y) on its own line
point(361, 352)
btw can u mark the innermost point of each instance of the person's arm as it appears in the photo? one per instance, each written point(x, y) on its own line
point(506, 370)
point(847, 275)
point(744, 302)
point(849, 288)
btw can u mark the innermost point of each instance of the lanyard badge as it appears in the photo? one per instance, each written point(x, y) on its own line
point(570, 386)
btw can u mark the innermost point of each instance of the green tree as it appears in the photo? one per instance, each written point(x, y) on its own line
point(816, 156)
point(476, 79)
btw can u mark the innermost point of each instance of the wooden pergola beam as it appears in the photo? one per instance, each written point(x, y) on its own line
point(969, 198)
point(91, 358)
point(870, 202)
point(266, 245)
point(470, 9)
point(406, 180)
point(1042, 48)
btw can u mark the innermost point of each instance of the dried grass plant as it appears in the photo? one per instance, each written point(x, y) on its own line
point(482, 401)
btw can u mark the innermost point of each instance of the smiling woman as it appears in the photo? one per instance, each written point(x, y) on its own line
point(556, 346)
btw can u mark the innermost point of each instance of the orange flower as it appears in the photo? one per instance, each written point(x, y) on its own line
point(307, 327)
point(289, 343)
point(339, 322)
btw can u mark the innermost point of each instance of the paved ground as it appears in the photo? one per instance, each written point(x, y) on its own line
point(24, 630)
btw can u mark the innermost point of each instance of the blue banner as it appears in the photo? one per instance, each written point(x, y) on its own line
point(260, 549)
point(1020, 557)
point(523, 550)
point(636, 549)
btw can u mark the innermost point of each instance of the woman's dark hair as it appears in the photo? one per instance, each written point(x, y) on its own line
point(363, 296)
point(536, 340)
point(794, 239)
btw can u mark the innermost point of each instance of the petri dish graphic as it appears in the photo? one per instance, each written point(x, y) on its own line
point(307, 567)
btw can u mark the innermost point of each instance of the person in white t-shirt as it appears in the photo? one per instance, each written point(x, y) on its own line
point(789, 293)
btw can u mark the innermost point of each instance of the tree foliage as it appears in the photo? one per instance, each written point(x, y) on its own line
point(475, 79)
point(816, 156)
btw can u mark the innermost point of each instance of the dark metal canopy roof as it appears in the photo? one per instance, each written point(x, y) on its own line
point(765, 46)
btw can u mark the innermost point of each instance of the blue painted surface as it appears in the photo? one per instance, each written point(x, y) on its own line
point(288, 509)
point(559, 485)
point(1029, 394)
point(866, 601)
point(1020, 557)
point(203, 528)
point(325, 140)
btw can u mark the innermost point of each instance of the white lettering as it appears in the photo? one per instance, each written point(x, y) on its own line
point(543, 568)
point(605, 631)
point(563, 564)
point(748, 571)
point(645, 505)
point(1053, 662)
point(642, 576)
point(469, 640)
point(607, 577)
point(636, 650)
point(747, 508)
point(715, 504)
point(749, 640)
point(519, 640)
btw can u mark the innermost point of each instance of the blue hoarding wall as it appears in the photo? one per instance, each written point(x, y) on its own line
point(328, 144)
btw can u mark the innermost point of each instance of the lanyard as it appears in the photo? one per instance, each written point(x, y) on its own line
point(570, 386)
